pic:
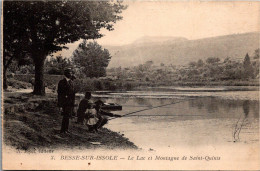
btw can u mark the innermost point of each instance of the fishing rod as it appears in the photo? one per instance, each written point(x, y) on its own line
point(137, 105)
point(163, 115)
point(140, 106)
point(151, 108)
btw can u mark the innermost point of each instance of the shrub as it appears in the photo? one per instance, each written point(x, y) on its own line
point(50, 80)
point(129, 86)
point(98, 85)
point(83, 85)
point(18, 84)
point(110, 85)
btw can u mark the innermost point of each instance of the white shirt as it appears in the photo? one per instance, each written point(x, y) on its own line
point(67, 79)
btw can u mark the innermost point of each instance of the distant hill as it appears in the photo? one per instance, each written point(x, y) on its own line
point(152, 40)
point(181, 51)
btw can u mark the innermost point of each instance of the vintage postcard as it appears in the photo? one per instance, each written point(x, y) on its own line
point(130, 85)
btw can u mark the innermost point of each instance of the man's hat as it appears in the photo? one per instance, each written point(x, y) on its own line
point(88, 94)
point(67, 70)
point(99, 102)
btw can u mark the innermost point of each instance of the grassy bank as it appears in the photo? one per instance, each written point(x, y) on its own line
point(95, 84)
point(34, 122)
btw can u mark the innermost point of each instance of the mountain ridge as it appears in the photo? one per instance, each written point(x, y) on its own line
point(158, 39)
point(181, 51)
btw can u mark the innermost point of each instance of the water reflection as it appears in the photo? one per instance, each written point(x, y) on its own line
point(143, 101)
point(191, 121)
point(216, 105)
point(209, 107)
point(246, 107)
point(202, 118)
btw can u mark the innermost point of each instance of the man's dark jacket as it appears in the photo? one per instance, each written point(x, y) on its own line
point(66, 93)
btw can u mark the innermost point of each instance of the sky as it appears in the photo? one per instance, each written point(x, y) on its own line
point(192, 20)
point(189, 19)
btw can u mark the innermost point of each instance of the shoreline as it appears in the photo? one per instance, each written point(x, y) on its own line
point(31, 121)
point(30, 113)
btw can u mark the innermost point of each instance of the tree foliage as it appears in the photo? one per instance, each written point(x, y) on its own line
point(41, 28)
point(91, 59)
point(248, 68)
point(57, 65)
point(202, 71)
point(212, 60)
point(257, 53)
point(15, 42)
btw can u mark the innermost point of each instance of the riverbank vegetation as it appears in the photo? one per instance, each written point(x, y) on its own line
point(210, 72)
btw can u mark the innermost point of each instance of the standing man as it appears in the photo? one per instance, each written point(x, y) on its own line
point(66, 99)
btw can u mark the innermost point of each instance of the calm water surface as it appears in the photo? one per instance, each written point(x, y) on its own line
point(195, 118)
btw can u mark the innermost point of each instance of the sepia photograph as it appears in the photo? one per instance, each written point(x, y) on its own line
point(130, 85)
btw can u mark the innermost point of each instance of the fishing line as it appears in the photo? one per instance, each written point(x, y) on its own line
point(151, 108)
point(242, 124)
point(238, 128)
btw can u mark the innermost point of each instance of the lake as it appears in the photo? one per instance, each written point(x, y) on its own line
point(187, 118)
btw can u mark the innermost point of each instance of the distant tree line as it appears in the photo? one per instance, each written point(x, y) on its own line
point(211, 69)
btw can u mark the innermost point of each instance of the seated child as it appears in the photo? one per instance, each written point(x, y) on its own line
point(86, 113)
point(91, 114)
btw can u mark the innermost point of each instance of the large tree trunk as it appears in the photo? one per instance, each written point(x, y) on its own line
point(39, 87)
point(5, 85)
point(7, 63)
